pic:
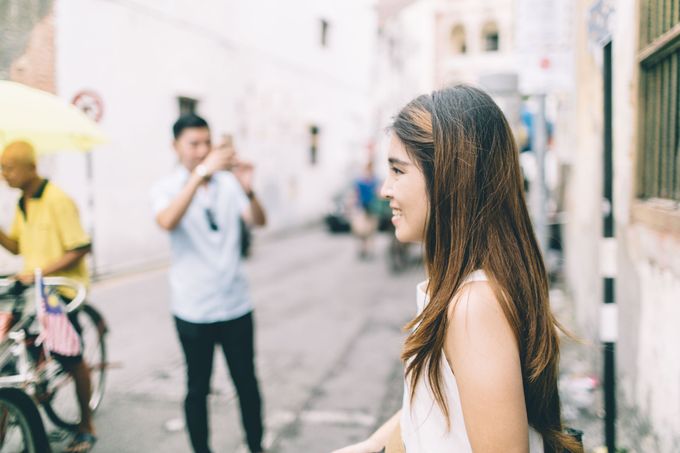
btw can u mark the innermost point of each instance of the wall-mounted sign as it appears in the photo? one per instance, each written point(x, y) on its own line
point(545, 37)
point(90, 103)
point(600, 21)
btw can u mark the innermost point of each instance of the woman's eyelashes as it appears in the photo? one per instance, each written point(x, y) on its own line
point(396, 171)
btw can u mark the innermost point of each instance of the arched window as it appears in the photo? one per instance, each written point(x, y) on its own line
point(490, 37)
point(458, 39)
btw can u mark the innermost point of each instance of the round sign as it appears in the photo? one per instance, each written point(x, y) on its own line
point(90, 103)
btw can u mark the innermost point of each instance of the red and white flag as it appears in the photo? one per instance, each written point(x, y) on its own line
point(57, 334)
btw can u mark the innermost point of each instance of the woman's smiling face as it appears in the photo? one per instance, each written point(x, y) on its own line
point(405, 188)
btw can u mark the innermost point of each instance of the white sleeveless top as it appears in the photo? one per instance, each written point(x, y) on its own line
point(423, 424)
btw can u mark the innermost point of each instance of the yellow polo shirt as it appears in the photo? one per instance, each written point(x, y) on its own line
point(47, 226)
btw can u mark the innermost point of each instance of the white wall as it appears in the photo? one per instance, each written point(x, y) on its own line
point(258, 71)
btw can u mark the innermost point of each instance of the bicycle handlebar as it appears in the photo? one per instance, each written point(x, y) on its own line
point(81, 291)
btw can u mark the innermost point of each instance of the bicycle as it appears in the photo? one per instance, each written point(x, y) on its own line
point(21, 428)
point(26, 366)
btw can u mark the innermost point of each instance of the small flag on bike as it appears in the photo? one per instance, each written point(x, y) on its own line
point(57, 332)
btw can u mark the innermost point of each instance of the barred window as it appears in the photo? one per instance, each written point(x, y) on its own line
point(659, 123)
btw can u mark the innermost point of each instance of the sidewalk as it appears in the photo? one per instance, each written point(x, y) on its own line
point(328, 333)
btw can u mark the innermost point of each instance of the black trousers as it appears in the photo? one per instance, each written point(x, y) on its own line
point(198, 342)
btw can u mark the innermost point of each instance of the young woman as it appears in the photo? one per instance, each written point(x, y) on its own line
point(481, 358)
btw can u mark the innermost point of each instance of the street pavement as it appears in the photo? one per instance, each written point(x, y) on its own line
point(328, 337)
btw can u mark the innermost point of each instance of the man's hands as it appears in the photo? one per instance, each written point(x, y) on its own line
point(224, 157)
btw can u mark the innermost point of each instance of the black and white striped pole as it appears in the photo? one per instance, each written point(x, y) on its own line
point(609, 315)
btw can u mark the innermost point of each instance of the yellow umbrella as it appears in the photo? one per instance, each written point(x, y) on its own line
point(48, 122)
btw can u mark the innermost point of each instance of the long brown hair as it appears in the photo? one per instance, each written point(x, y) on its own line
point(478, 219)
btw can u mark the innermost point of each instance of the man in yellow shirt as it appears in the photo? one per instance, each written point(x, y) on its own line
point(47, 233)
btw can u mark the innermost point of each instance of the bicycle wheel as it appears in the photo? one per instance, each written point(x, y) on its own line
point(21, 428)
point(61, 402)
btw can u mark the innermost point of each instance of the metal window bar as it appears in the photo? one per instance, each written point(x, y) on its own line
point(646, 29)
point(656, 131)
point(660, 126)
point(669, 14)
point(645, 121)
point(649, 148)
point(658, 115)
point(664, 126)
point(676, 145)
point(643, 128)
point(646, 32)
point(659, 16)
point(652, 20)
point(676, 173)
point(650, 162)
point(672, 125)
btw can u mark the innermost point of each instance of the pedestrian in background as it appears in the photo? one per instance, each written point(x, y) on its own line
point(481, 358)
point(200, 204)
point(48, 235)
point(364, 217)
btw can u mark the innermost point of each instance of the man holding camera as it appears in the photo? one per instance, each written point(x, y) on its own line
point(201, 204)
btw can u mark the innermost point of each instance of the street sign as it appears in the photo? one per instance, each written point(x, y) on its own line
point(90, 103)
point(545, 45)
point(599, 22)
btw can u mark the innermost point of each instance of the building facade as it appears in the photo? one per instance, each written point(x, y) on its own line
point(290, 81)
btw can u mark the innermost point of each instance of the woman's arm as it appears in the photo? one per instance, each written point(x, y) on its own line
point(378, 439)
point(483, 353)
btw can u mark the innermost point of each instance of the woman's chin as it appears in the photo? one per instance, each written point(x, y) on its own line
point(402, 235)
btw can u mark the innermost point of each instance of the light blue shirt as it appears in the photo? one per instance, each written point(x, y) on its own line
point(207, 281)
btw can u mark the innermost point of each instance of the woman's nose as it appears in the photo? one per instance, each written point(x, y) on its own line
point(386, 190)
